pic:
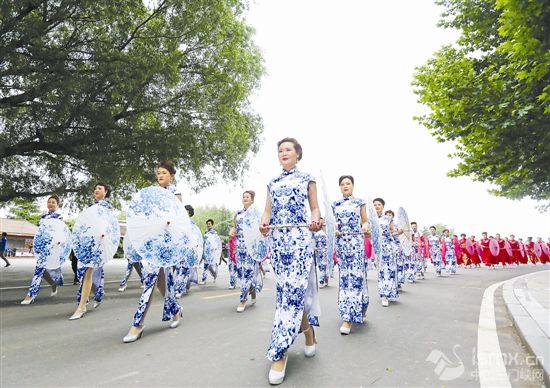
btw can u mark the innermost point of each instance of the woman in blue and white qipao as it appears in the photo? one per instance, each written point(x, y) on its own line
point(249, 276)
point(387, 270)
point(450, 256)
point(399, 254)
point(162, 277)
point(54, 277)
point(297, 303)
point(435, 250)
point(351, 217)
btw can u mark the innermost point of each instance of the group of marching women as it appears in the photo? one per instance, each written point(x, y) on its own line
point(292, 223)
point(450, 252)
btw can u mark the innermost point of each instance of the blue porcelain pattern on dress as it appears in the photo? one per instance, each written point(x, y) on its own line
point(435, 252)
point(247, 266)
point(353, 298)
point(387, 271)
point(321, 256)
point(292, 260)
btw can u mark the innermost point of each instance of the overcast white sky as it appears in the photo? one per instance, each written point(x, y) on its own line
point(338, 79)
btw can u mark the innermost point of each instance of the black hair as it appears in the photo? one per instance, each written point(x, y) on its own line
point(106, 187)
point(433, 227)
point(379, 200)
point(346, 177)
point(297, 146)
point(463, 234)
point(4, 234)
point(168, 165)
point(390, 211)
point(210, 220)
point(445, 230)
point(414, 223)
point(252, 193)
point(54, 196)
point(190, 210)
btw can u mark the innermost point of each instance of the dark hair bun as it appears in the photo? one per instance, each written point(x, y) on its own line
point(169, 166)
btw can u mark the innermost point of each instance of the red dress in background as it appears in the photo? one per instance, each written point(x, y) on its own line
point(486, 255)
point(529, 252)
point(516, 253)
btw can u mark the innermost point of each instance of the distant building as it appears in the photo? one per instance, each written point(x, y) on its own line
point(20, 234)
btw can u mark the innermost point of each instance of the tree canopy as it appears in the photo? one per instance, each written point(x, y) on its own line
point(104, 90)
point(490, 94)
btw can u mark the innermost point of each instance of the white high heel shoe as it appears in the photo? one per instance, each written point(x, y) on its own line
point(27, 301)
point(309, 350)
point(175, 324)
point(276, 377)
point(241, 308)
point(345, 330)
point(54, 291)
point(133, 337)
point(77, 315)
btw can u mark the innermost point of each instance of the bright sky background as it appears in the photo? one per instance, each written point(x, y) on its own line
point(338, 80)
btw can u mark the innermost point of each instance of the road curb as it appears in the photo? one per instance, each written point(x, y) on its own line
point(530, 319)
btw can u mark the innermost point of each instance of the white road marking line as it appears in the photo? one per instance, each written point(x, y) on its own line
point(490, 365)
point(225, 295)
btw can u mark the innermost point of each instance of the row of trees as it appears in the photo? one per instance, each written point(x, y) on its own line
point(101, 90)
point(489, 94)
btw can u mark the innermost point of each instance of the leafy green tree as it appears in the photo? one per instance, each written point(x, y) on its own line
point(24, 209)
point(103, 90)
point(490, 94)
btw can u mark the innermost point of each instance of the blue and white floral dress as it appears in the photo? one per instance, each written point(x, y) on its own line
point(55, 274)
point(150, 277)
point(450, 256)
point(400, 255)
point(248, 270)
point(321, 256)
point(435, 251)
point(387, 273)
point(353, 296)
point(210, 264)
point(292, 260)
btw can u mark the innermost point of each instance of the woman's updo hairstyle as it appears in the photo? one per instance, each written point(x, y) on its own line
point(251, 193)
point(169, 166)
point(297, 146)
point(379, 200)
point(346, 177)
point(56, 198)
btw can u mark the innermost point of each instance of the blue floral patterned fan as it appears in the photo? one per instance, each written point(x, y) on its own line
point(195, 253)
point(404, 238)
point(96, 235)
point(159, 227)
point(52, 243)
point(131, 253)
point(330, 221)
point(256, 244)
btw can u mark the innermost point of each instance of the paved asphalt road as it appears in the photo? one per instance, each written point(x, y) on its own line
point(215, 346)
